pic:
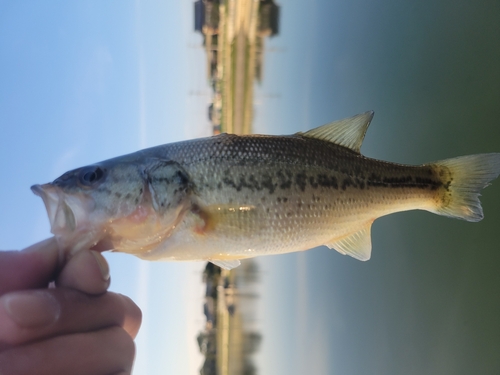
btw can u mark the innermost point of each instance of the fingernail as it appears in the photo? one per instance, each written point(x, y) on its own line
point(32, 309)
point(103, 265)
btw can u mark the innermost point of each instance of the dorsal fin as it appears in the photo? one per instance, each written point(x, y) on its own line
point(348, 132)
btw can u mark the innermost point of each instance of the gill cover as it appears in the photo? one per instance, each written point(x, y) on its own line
point(168, 184)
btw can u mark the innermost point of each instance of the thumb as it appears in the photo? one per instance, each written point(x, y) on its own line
point(33, 267)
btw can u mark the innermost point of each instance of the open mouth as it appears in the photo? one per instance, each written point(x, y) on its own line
point(68, 216)
point(61, 216)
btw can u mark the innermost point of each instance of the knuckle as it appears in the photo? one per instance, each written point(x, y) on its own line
point(124, 346)
point(132, 315)
point(127, 344)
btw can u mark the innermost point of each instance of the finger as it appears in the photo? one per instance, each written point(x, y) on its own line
point(31, 268)
point(86, 271)
point(106, 351)
point(26, 316)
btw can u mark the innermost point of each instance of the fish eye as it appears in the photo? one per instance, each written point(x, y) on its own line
point(91, 175)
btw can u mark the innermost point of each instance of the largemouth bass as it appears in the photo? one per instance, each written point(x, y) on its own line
point(230, 197)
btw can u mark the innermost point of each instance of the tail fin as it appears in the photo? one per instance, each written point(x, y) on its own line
point(464, 177)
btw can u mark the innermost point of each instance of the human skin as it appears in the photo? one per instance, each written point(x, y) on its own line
point(60, 319)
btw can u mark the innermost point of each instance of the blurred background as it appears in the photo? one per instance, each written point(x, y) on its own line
point(81, 82)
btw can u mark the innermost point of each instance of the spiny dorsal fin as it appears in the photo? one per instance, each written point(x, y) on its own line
point(348, 132)
point(358, 245)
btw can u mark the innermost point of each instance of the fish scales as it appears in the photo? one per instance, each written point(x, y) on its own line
point(274, 165)
point(297, 182)
point(230, 197)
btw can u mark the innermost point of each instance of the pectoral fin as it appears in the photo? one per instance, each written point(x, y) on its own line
point(228, 216)
point(358, 245)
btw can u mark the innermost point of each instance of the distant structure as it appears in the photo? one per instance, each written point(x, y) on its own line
point(228, 342)
point(233, 36)
point(233, 32)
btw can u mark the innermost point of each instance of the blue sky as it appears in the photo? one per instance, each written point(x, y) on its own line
point(86, 81)
point(81, 82)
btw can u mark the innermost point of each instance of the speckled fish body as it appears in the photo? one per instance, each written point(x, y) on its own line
point(231, 197)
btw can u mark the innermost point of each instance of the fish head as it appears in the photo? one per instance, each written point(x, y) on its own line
point(120, 205)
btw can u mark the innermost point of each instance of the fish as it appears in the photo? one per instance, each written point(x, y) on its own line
point(230, 197)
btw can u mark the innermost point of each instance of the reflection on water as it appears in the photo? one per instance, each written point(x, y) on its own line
point(229, 339)
point(233, 37)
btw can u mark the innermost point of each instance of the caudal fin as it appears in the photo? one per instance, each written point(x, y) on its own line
point(463, 178)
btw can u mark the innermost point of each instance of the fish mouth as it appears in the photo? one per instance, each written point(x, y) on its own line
point(68, 214)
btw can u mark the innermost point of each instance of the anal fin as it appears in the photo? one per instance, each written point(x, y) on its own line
point(358, 244)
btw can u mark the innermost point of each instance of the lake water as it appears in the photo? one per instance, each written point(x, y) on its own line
point(427, 302)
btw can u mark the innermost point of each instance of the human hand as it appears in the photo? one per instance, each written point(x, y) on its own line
point(75, 328)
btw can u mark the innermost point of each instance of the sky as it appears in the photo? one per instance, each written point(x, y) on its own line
point(85, 81)
point(81, 82)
